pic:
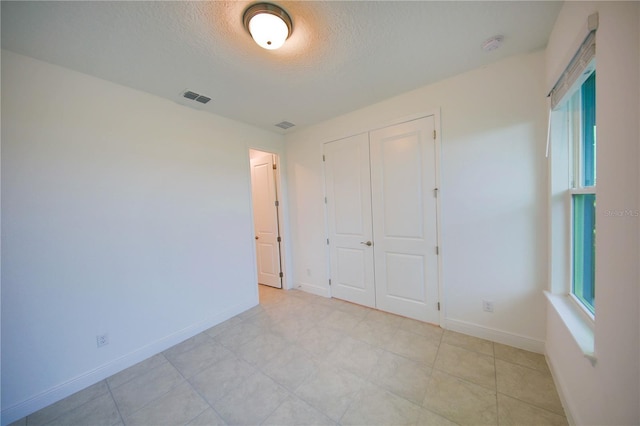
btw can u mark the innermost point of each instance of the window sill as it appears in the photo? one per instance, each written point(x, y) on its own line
point(579, 327)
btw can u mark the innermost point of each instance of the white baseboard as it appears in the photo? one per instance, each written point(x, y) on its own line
point(55, 394)
point(314, 289)
point(499, 336)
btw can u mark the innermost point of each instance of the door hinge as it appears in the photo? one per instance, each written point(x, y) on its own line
point(325, 200)
point(324, 158)
point(434, 134)
point(435, 192)
point(277, 203)
point(329, 281)
point(279, 239)
point(438, 305)
point(275, 167)
point(437, 250)
point(281, 275)
point(327, 241)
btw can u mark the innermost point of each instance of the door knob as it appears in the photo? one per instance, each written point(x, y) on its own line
point(366, 243)
point(257, 237)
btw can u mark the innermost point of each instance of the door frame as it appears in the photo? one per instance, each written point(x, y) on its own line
point(438, 158)
point(284, 260)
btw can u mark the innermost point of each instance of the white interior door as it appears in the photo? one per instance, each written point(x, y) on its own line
point(265, 219)
point(403, 180)
point(348, 186)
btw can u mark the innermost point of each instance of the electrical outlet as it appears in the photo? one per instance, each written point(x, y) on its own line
point(102, 340)
point(487, 305)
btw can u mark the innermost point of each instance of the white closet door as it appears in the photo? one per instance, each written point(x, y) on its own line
point(403, 179)
point(349, 218)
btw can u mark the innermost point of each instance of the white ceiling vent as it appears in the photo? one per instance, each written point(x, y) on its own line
point(285, 125)
point(190, 95)
point(192, 99)
point(196, 96)
point(203, 99)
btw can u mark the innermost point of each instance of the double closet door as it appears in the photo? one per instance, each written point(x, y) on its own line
point(382, 219)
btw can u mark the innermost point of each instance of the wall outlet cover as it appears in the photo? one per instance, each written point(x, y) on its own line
point(102, 340)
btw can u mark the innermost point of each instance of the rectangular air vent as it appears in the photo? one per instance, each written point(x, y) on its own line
point(285, 125)
point(190, 95)
point(195, 96)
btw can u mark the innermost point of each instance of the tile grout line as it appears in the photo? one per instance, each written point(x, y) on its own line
point(462, 379)
point(184, 380)
point(353, 400)
point(431, 378)
point(193, 388)
point(533, 405)
point(290, 393)
point(522, 365)
point(258, 369)
point(281, 402)
point(49, 421)
point(115, 402)
point(535, 370)
point(391, 391)
point(433, 367)
point(133, 378)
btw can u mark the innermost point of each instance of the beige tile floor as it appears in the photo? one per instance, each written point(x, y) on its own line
point(299, 359)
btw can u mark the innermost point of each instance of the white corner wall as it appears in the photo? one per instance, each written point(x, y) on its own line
point(609, 392)
point(493, 195)
point(122, 213)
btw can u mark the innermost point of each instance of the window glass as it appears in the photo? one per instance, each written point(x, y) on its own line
point(588, 95)
point(583, 193)
point(584, 248)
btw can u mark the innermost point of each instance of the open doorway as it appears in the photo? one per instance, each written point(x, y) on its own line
point(265, 192)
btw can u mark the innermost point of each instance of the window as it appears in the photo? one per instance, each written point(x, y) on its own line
point(582, 138)
point(571, 153)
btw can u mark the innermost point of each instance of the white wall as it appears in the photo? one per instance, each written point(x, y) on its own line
point(493, 178)
point(607, 393)
point(122, 213)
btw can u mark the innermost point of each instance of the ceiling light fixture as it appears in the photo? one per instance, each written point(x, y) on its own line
point(268, 24)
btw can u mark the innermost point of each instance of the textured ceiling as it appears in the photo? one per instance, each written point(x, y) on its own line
point(340, 57)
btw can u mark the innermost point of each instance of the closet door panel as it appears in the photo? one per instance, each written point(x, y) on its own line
point(403, 179)
point(348, 189)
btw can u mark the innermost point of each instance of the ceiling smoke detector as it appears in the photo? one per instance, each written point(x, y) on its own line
point(493, 43)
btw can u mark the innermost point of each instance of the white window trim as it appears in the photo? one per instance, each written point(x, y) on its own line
point(576, 322)
point(576, 317)
point(580, 322)
point(584, 190)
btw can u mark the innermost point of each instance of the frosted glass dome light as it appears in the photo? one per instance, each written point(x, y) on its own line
point(268, 24)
